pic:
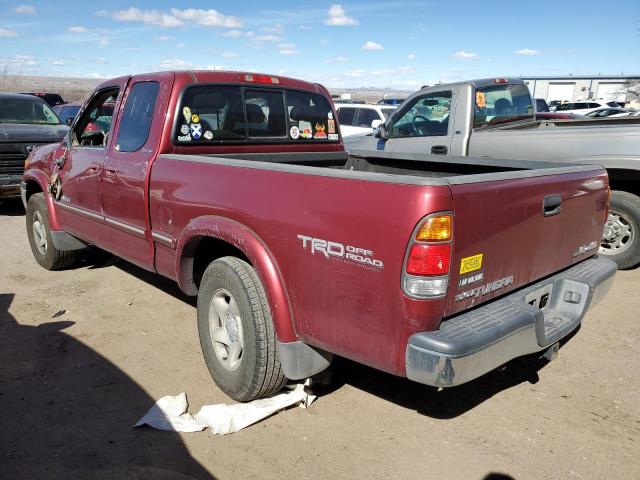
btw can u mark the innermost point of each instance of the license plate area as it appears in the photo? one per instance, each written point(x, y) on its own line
point(541, 297)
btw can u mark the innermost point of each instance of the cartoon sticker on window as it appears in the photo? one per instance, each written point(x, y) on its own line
point(320, 131)
point(481, 100)
point(306, 133)
point(186, 111)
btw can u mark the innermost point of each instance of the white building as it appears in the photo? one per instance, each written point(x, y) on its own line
point(573, 88)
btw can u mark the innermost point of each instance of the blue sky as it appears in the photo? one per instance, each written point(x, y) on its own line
point(401, 44)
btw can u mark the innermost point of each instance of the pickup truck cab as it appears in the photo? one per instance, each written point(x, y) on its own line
point(495, 118)
point(237, 186)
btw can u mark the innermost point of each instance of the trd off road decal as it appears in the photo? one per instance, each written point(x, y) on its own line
point(336, 250)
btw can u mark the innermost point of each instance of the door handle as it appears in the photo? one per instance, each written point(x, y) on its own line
point(439, 150)
point(551, 205)
point(109, 172)
point(94, 167)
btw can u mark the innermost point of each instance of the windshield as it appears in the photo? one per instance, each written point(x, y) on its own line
point(19, 110)
point(502, 103)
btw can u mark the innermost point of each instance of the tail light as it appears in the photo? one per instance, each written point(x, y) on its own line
point(428, 258)
point(257, 78)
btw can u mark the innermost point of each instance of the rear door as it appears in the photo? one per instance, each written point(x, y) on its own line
point(131, 149)
point(423, 125)
point(508, 233)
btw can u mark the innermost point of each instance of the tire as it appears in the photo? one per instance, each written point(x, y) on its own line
point(621, 236)
point(39, 233)
point(236, 332)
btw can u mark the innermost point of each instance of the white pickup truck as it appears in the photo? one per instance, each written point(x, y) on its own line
point(494, 118)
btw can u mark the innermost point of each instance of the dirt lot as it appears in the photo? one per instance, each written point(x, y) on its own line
point(72, 385)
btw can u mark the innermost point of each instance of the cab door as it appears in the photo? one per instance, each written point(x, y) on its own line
point(127, 166)
point(424, 125)
point(80, 175)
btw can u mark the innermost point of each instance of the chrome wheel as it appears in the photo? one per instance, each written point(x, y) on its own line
point(618, 234)
point(225, 328)
point(39, 233)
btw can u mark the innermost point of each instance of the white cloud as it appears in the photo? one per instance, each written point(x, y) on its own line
point(24, 60)
point(148, 17)
point(175, 64)
point(233, 33)
point(411, 56)
point(57, 63)
point(8, 33)
point(527, 52)
point(207, 18)
point(24, 9)
point(392, 71)
point(275, 29)
point(337, 60)
point(77, 29)
point(229, 54)
point(163, 38)
point(358, 72)
point(338, 17)
point(100, 60)
point(462, 55)
point(103, 42)
point(267, 38)
point(288, 49)
point(369, 45)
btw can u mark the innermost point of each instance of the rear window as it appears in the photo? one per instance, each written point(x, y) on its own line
point(210, 114)
point(502, 103)
point(27, 111)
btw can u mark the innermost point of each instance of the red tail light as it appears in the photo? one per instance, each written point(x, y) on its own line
point(429, 259)
point(256, 78)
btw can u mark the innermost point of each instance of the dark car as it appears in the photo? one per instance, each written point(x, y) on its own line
point(541, 105)
point(26, 122)
point(52, 99)
point(391, 101)
point(67, 111)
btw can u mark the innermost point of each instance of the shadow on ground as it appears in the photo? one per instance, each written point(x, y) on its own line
point(67, 412)
point(11, 207)
point(445, 404)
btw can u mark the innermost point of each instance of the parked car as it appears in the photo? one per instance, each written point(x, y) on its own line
point(361, 119)
point(52, 99)
point(26, 122)
point(608, 112)
point(541, 105)
point(67, 111)
point(390, 101)
point(585, 106)
point(237, 186)
point(494, 118)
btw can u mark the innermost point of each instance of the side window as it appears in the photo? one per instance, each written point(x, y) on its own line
point(424, 116)
point(92, 129)
point(366, 117)
point(346, 116)
point(265, 113)
point(209, 114)
point(310, 117)
point(136, 116)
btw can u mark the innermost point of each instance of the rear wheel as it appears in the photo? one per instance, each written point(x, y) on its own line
point(236, 332)
point(621, 236)
point(39, 233)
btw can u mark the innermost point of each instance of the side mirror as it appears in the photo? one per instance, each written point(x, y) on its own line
point(376, 123)
point(381, 132)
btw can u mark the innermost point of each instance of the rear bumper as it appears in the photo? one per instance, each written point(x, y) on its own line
point(474, 343)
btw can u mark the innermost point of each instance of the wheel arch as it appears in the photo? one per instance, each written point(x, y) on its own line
point(38, 182)
point(209, 237)
point(626, 180)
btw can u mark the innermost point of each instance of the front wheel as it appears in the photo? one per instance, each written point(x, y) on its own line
point(621, 235)
point(236, 331)
point(39, 233)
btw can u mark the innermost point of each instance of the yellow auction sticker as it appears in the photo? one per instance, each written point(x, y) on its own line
point(470, 264)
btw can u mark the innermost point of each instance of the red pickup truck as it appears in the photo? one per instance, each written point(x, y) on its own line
point(237, 186)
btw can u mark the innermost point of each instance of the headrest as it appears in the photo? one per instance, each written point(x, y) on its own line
point(306, 113)
point(255, 113)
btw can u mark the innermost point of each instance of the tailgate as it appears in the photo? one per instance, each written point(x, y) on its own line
point(504, 239)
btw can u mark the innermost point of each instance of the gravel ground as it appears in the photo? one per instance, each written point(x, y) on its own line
point(72, 384)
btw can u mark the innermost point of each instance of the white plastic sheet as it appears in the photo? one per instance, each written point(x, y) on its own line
point(170, 412)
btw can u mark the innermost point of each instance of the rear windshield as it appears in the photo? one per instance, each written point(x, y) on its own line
point(18, 110)
point(499, 104)
point(211, 114)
